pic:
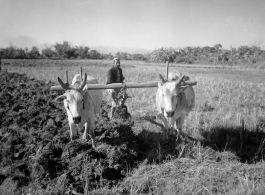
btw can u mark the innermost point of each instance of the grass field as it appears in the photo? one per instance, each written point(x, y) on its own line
point(228, 122)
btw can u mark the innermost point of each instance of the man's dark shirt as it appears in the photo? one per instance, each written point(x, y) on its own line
point(112, 75)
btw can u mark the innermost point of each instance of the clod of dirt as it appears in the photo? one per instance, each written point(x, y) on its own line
point(121, 112)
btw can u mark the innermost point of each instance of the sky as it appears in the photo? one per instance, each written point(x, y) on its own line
point(132, 25)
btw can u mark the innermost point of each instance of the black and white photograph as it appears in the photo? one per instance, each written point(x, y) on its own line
point(132, 97)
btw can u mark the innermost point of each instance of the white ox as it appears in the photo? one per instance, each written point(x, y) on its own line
point(81, 105)
point(174, 100)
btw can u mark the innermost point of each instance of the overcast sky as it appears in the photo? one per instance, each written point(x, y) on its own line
point(137, 24)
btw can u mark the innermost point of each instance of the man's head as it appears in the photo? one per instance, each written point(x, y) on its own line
point(116, 62)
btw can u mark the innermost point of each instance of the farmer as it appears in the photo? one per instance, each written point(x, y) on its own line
point(115, 75)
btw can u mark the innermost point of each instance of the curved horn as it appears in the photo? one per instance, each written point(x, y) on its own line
point(180, 79)
point(65, 87)
point(84, 82)
point(162, 79)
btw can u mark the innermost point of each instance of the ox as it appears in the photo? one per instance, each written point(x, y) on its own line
point(81, 105)
point(174, 100)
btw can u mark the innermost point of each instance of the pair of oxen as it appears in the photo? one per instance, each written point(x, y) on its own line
point(174, 100)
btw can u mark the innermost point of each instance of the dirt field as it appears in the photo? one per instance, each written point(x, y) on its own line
point(221, 151)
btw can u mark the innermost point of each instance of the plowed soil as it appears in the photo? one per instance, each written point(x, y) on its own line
point(35, 148)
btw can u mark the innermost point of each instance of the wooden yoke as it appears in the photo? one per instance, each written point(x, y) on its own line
point(119, 85)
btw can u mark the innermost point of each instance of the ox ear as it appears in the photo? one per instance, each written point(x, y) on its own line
point(162, 80)
point(61, 97)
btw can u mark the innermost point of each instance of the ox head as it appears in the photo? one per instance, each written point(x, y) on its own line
point(74, 97)
point(170, 93)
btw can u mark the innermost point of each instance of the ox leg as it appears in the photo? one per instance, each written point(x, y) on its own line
point(165, 122)
point(73, 133)
point(90, 126)
point(179, 123)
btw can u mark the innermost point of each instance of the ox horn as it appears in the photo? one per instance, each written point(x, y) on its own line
point(64, 86)
point(84, 82)
point(162, 79)
point(180, 79)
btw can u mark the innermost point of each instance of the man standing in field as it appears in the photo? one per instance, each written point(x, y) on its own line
point(115, 75)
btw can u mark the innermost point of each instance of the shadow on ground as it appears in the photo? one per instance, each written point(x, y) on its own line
point(248, 145)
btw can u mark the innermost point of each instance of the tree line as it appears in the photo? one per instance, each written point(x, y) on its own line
point(188, 55)
point(63, 51)
point(209, 55)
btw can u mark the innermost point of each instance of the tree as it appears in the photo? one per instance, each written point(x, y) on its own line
point(48, 52)
point(108, 56)
point(10, 52)
point(34, 53)
point(19, 53)
point(82, 52)
point(94, 54)
point(163, 55)
point(218, 47)
point(118, 55)
point(71, 53)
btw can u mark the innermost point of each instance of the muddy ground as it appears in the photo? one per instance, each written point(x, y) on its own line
point(35, 149)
